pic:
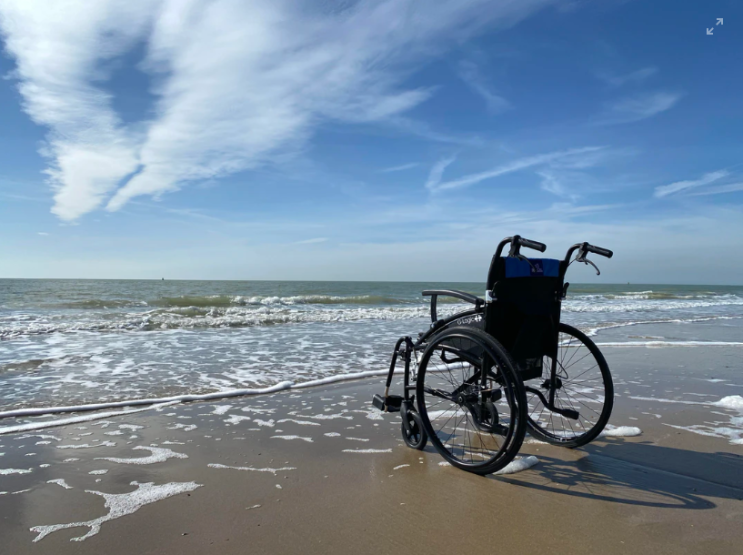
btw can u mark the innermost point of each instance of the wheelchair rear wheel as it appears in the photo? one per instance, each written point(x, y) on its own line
point(471, 400)
point(583, 384)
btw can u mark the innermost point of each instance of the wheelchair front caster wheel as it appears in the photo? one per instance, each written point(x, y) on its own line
point(413, 433)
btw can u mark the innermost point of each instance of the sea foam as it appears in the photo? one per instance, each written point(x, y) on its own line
point(118, 505)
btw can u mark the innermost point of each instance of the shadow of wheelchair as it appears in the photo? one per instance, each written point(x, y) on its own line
point(639, 473)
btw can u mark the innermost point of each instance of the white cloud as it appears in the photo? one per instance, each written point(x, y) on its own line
point(722, 189)
point(570, 158)
point(43, 233)
point(60, 51)
point(470, 74)
point(637, 76)
point(678, 186)
point(240, 82)
point(437, 172)
point(639, 107)
point(400, 168)
point(312, 241)
point(552, 184)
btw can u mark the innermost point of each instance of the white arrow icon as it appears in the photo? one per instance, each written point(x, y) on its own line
point(709, 31)
point(719, 21)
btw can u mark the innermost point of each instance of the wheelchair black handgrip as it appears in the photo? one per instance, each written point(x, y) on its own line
point(536, 245)
point(598, 250)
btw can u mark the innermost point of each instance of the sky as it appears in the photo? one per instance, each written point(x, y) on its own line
point(369, 140)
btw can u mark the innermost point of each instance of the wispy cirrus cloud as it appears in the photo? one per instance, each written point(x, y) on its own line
point(638, 107)
point(401, 168)
point(553, 184)
point(60, 55)
point(312, 241)
point(470, 74)
point(437, 172)
point(633, 77)
point(567, 158)
point(722, 189)
point(679, 186)
point(240, 83)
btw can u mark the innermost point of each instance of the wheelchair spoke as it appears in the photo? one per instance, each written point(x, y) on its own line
point(582, 384)
point(472, 419)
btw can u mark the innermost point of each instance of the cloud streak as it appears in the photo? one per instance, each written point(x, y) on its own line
point(552, 184)
point(680, 186)
point(437, 172)
point(566, 158)
point(639, 107)
point(400, 168)
point(60, 56)
point(722, 189)
point(470, 74)
point(637, 76)
point(239, 83)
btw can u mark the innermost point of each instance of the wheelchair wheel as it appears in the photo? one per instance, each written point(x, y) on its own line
point(471, 400)
point(411, 427)
point(584, 385)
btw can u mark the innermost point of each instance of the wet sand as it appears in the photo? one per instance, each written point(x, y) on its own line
point(320, 471)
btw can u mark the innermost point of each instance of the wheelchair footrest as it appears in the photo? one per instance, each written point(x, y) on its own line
point(567, 413)
point(391, 404)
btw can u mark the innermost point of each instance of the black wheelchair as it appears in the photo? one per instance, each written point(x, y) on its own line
point(476, 381)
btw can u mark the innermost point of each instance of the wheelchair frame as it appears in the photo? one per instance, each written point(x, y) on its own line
point(406, 348)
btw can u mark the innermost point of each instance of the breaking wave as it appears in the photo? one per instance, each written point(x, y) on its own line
point(192, 317)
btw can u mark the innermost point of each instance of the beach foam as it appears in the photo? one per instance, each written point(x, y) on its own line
point(87, 445)
point(235, 419)
point(74, 420)
point(289, 437)
point(7, 471)
point(159, 454)
point(621, 431)
point(734, 402)
point(119, 505)
point(252, 469)
point(518, 464)
point(300, 422)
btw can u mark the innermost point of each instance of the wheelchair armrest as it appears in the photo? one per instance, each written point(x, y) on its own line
point(434, 294)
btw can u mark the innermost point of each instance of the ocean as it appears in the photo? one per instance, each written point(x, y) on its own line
point(71, 342)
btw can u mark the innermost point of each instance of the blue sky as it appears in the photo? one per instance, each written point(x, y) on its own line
point(379, 140)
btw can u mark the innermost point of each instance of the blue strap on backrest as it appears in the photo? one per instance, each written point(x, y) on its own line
point(543, 267)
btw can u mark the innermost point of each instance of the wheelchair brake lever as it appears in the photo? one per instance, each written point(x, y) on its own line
point(586, 261)
point(581, 257)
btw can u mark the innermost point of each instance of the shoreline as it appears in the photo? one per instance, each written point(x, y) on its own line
point(337, 378)
point(317, 470)
point(281, 474)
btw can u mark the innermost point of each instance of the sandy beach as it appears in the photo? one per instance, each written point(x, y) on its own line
point(319, 471)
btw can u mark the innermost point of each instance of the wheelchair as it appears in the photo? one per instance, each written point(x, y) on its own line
point(474, 382)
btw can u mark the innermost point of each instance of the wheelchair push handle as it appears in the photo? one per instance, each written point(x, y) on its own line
point(516, 243)
point(536, 245)
point(599, 250)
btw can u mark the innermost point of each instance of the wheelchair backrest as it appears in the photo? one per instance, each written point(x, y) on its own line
point(522, 309)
